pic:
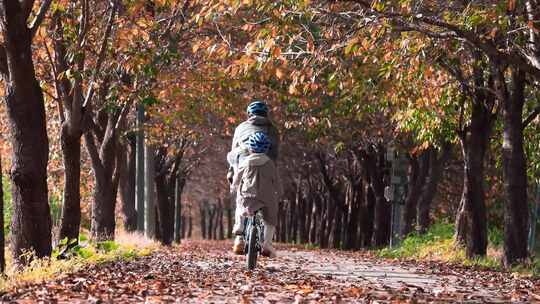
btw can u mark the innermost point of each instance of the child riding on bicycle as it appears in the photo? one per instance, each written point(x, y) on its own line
point(257, 186)
point(258, 121)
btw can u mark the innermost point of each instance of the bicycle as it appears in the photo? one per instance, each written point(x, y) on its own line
point(254, 237)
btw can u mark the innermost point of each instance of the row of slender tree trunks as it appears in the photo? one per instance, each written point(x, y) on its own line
point(165, 171)
point(216, 220)
point(495, 90)
point(340, 203)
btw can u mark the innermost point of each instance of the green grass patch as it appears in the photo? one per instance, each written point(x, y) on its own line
point(77, 257)
point(437, 244)
point(310, 246)
point(531, 268)
point(8, 209)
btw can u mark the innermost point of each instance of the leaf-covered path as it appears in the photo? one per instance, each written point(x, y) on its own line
point(205, 272)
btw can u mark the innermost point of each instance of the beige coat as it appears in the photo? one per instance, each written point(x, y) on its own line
point(243, 131)
point(257, 186)
point(252, 125)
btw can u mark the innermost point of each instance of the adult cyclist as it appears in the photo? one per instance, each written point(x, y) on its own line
point(257, 121)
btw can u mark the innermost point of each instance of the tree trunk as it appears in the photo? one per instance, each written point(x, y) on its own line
point(190, 226)
point(429, 189)
point(127, 157)
point(516, 217)
point(221, 226)
point(308, 215)
point(315, 216)
point(31, 222)
point(103, 222)
point(367, 217)
point(354, 202)
point(300, 213)
point(230, 222)
point(157, 228)
point(71, 209)
point(103, 217)
point(211, 217)
point(183, 227)
point(165, 208)
point(417, 176)
point(215, 222)
point(106, 169)
point(381, 232)
point(178, 220)
point(169, 187)
point(323, 237)
point(2, 236)
point(331, 214)
point(337, 223)
point(471, 226)
point(281, 221)
point(382, 224)
point(293, 219)
point(202, 211)
point(70, 93)
point(285, 226)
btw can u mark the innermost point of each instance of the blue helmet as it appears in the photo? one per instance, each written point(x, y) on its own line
point(258, 142)
point(258, 108)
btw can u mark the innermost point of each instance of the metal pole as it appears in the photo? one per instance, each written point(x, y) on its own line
point(139, 164)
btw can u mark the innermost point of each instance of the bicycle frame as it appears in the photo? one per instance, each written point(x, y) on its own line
point(254, 227)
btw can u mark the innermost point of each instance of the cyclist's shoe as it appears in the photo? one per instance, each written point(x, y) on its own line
point(268, 251)
point(238, 228)
point(238, 246)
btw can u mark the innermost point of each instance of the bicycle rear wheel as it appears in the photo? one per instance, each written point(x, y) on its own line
point(252, 247)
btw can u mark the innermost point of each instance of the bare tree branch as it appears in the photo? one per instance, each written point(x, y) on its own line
point(531, 117)
point(57, 85)
point(34, 26)
point(123, 115)
point(93, 151)
point(83, 24)
point(101, 53)
point(26, 7)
